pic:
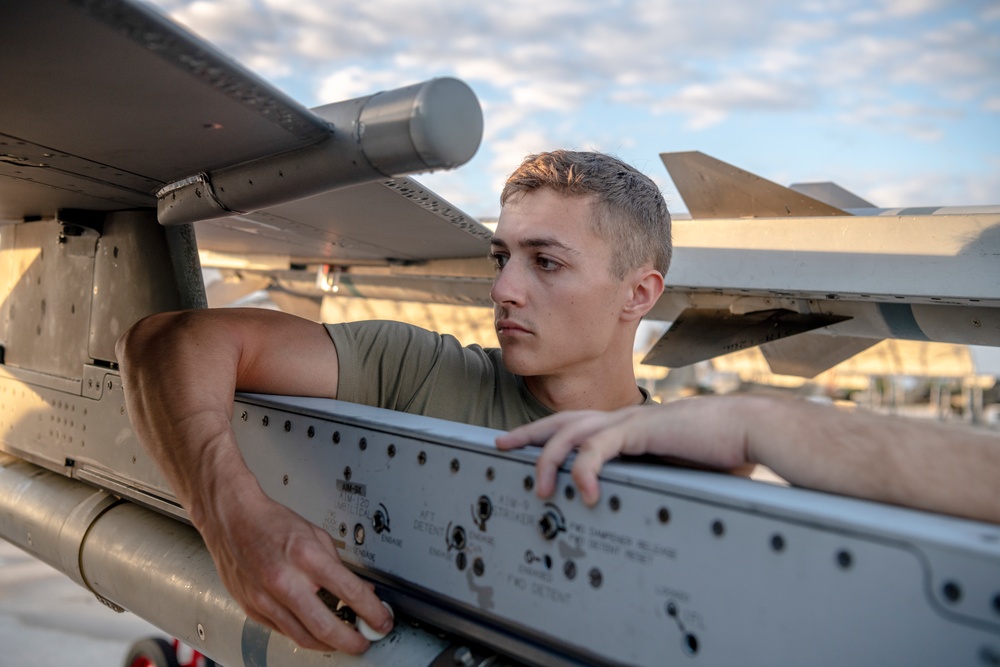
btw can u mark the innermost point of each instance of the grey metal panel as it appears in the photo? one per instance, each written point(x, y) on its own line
point(140, 270)
point(9, 275)
point(47, 308)
point(72, 432)
point(851, 583)
point(683, 565)
point(72, 291)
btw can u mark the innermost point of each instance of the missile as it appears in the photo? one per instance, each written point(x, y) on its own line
point(158, 568)
point(437, 124)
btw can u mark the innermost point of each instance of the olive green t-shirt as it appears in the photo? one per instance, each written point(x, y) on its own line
point(403, 367)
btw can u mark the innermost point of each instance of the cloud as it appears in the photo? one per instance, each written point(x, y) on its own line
point(509, 152)
point(708, 104)
point(602, 47)
point(355, 81)
point(922, 122)
point(569, 71)
point(908, 8)
point(929, 188)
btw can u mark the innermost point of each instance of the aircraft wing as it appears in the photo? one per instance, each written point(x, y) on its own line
point(109, 105)
point(813, 275)
point(128, 146)
point(714, 189)
point(813, 283)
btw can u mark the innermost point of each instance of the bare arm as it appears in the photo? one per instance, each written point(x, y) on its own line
point(919, 464)
point(180, 372)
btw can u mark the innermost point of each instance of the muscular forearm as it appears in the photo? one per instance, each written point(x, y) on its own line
point(179, 372)
point(919, 464)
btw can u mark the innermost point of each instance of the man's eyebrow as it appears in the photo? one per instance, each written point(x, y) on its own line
point(537, 242)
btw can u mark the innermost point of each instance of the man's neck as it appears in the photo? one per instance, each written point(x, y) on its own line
point(560, 393)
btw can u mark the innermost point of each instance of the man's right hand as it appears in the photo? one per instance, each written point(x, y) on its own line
point(274, 563)
point(180, 372)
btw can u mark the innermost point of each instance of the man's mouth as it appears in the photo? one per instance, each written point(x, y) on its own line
point(509, 327)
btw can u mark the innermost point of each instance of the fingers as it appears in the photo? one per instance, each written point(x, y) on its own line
point(288, 603)
point(570, 436)
point(275, 564)
point(323, 570)
point(597, 449)
point(356, 593)
point(562, 433)
point(536, 432)
point(605, 440)
point(337, 635)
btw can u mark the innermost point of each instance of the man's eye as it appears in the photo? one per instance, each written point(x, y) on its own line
point(499, 261)
point(547, 264)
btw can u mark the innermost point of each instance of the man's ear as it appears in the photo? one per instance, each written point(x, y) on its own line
point(647, 286)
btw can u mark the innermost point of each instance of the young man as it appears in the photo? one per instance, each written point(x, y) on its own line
point(918, 464)
point(581, 248)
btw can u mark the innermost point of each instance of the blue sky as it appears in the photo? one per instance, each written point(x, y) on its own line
point(896, 100)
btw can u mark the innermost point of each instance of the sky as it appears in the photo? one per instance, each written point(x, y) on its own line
point(895, 100)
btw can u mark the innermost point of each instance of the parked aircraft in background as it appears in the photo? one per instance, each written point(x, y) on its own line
point(132, 154)
point(757, 264)
point(811, 275)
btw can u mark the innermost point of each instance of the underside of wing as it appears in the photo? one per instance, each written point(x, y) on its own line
point(807, 355)
point(396, 220)
point(106, 102)
point(111, 106)
point(702, 334)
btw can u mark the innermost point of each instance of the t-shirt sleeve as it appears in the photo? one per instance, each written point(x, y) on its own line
point(389, 364)
point(402, 367)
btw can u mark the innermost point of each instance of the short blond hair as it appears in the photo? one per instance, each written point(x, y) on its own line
point(631, 212)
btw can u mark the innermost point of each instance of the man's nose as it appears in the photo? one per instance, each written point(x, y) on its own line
point(508, 287)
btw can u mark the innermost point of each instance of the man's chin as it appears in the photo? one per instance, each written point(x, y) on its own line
point(519, 364)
